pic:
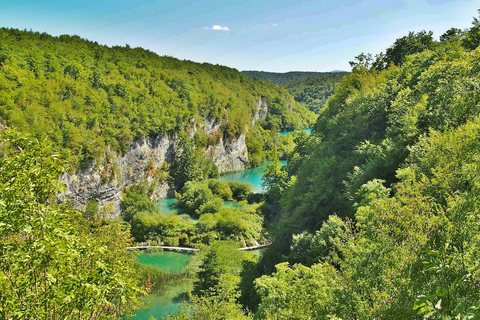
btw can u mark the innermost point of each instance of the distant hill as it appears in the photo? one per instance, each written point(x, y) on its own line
point(312, 89)
point(314, 92)
point(287, 77)
point(85, 96)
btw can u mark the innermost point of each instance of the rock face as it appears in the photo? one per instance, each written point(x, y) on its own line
point(105, 181)
point(262, 110)
point(230, 156)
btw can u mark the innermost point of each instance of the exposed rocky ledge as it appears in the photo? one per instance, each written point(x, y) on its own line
point(105, 181)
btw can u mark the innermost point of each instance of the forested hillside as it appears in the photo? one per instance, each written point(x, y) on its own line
point(85, 96)
point(379, 206)
point(283, 78)
point(311, 89)
point(314, 92)
point(375, 216)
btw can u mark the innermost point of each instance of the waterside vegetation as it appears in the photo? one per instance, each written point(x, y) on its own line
point(378, 211)
point(375, 216)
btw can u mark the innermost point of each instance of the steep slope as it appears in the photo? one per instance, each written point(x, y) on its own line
point(369, 125)
point(117, 113)
point(283, 78)
point(314, 92)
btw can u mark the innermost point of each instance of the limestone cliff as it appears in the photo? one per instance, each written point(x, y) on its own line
point(104, 181)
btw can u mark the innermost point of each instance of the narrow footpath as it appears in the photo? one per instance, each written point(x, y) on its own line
point(193, 249)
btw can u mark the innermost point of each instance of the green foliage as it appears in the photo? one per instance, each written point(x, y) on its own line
point(364, 131)
point(239, 225)
point(197, 198)
point(385, 206)
point(221, 258)
point(289, 77)
point(276, 180)
point(136, 199)
point(242, 224)
point(53, 263)
point(240, 190)
point(221, 189)
point(471, 38)
point(414, 42)
point(314, 92)
point(299, 292)
point(91, 210)
point(85, 96)
point(258, 141)
point(323, 246)
point(219, 304)
point(186, 165)
point(155, 226)
point(411, 255)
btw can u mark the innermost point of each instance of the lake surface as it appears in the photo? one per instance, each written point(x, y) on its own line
point(166, 206)
point(166, 260)
point(168, 301)
point(253, 176)
point(159, 304)
point(283, 133)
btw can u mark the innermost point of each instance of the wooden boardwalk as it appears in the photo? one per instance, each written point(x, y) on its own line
point(255, 247)
point(193, 249)
point(162, 247)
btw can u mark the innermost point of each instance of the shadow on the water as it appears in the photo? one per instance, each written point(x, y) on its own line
point(183, 296)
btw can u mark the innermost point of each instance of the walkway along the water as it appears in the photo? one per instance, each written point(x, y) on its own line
point(194, 249)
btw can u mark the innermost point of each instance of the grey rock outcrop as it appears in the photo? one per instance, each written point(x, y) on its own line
point(262, 110)
point(105, 180)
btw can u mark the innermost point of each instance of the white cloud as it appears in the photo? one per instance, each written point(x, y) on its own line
point(217, 27)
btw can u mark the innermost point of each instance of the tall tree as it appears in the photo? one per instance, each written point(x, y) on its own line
point(53, 265)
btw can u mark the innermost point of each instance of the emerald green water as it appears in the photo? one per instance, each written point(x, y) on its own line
point(253, 176)
point(289, 132)
point(159, 304)
point(166, 260)
point(168, 301)
point(166, 206)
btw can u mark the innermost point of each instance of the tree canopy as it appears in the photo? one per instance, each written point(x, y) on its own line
point(86, 97)
point(53, 264)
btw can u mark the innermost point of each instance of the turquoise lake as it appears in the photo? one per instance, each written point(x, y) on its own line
point(168, 301)
point(159, 304)
point(253, 176)
point(308, 131)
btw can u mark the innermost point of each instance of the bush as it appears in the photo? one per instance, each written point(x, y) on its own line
point(240, 190)
point(221, 189)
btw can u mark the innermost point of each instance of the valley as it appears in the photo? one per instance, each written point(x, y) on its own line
point(363, 184)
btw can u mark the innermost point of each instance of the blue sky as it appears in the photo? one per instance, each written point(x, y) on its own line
point(280, 36)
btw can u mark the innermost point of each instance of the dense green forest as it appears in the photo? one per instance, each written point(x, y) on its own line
point(311, 89)
point(72, 100)
point(375, 216)
point(379, 213)
point(314, 92)
point(85, 96)
point(284, 78)
point(54, 263)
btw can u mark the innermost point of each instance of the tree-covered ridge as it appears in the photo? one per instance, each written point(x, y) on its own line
point(86, 96)
point(380, 203)
point(314, 92)
point(368, 126)
point(284, 78)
